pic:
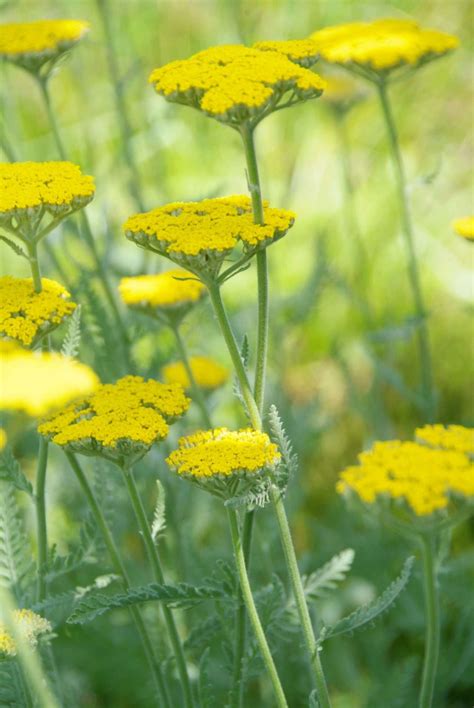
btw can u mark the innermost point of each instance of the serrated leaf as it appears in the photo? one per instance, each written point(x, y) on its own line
point(83, 553)
point(15, 559)
point(369, 612)
point(326, 578)
point(10, 471)
point(255, 497)
point(72, 339)
point(180, 595)
point(159, 516)
point(14, 246)
point(206, 697)
point(289, 459)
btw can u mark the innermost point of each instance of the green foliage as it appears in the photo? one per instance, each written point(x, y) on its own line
point(14, 246)
point(15, 555)
point(83, 553)
point(72, 339)
point(10, 471)
point(158, 525)
point(325, 579)
point(289, 460)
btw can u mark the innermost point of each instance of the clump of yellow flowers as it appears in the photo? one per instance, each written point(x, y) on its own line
point(451, 437)
point(208, 374)
point(31, 625)
point(465, 227)
point(119, 421)
point(26, 315)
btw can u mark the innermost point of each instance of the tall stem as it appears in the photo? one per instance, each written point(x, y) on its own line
point(413, 274)
point(155, 563)
point(432, 636)
point(196, 391)
point(252, 610)
point(120, 569)
point(34, 265)
point(41, 527)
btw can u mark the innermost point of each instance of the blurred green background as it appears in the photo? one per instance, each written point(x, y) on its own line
point(339, 380)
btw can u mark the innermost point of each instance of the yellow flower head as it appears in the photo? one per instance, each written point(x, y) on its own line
point(26, 315)
point(200, 235)
point(465, 227)
point(36, 383)
point(234, 83)
point(32, 44)
point(299, 51)
point(222, 453)
point(451, 437)
point(342, 92)
point(208, 374)
point(119, 421)
point(30, 625)
point(421, 476)
point(173, 292)
point(382, 45)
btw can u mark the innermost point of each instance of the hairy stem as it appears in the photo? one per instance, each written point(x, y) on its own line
point(195, 390)
point(119, 569)
point(432, 636)
point(155, 563)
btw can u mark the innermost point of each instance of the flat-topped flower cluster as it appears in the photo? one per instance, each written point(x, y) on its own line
point(207, 373)
point(30, 625)
point(173, 288)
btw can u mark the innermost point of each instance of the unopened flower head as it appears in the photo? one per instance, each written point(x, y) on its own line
point(29, 190)
point(465, 227)
point(234, 83)
point(26, 315)
point(119, 421)
point(32, 45)
point(382, 45)
point(36, 383)
point(207, 373)
point(31, 627)
point(450, 437)
point(200, 235)
point(169, 294)
point(423, 477)
point(223, 453)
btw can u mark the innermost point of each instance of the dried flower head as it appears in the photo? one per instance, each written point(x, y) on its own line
point(30, 625)
point(423, 477)
point(36, 383)
point(200, 235)
point(235, 84)
point(119, 421)
point(26, 315)
point(29, 191)
point(207, 373)
point(465, 227)
point(451, 437)
point(34, 45)
point(382, 45)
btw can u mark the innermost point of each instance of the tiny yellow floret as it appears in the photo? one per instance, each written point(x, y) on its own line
point(173, 288)
point(465, 227)
point(299, 51)
point(207, 373)
point(451, 437)
point(26, 315)
point(30, 625)
point(222, 452)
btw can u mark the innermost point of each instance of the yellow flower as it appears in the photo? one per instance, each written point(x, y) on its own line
point(207, 373)
point(174, 289)
point(342, 91)
point(200, 235)
point(421, 476)
point(222, 453)
point(452, 437)
point(299, 51)
point(234, 84)
point(26, 315)
point(31, 627)
point(118, 421)
point(382, 45)
point(465, 227)
point(37, 383)
point(3, 438)
point(33, 44)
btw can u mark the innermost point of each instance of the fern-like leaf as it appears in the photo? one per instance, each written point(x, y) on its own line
point(14, 246)
point(326, 578)
point(10, 471)
point(289, 459)
point(159, 516)
point(15, 559)
point(83, 553)
point(72, 339)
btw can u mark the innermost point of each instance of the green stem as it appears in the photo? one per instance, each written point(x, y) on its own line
point(252, 610)
point(432, 636)
point(196, 391)
point(413, 274)
point(155, 563)
point(34, 265)
point(120, 570)
point(41, 526)
point(302, 607)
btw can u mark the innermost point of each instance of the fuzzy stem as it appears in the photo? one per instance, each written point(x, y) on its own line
point(252, 610)
point(120, 569)
point(155, 563)
point(196, 391)
point(427, 388)
point(432, 636)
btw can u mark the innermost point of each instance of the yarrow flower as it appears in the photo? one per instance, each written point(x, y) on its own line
point(383, 45)
point(423, 477)
point(235, 84)
point(33, 45)
point(30, 625)
point(119, 421)
point(342, 92)
point(36, 383)
point(31, 190)
point(26, 315)
point(200, 235)
point(171, 293)
point(451, 437)
point(207, 373)
point(465, 227)
point(299, 51)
